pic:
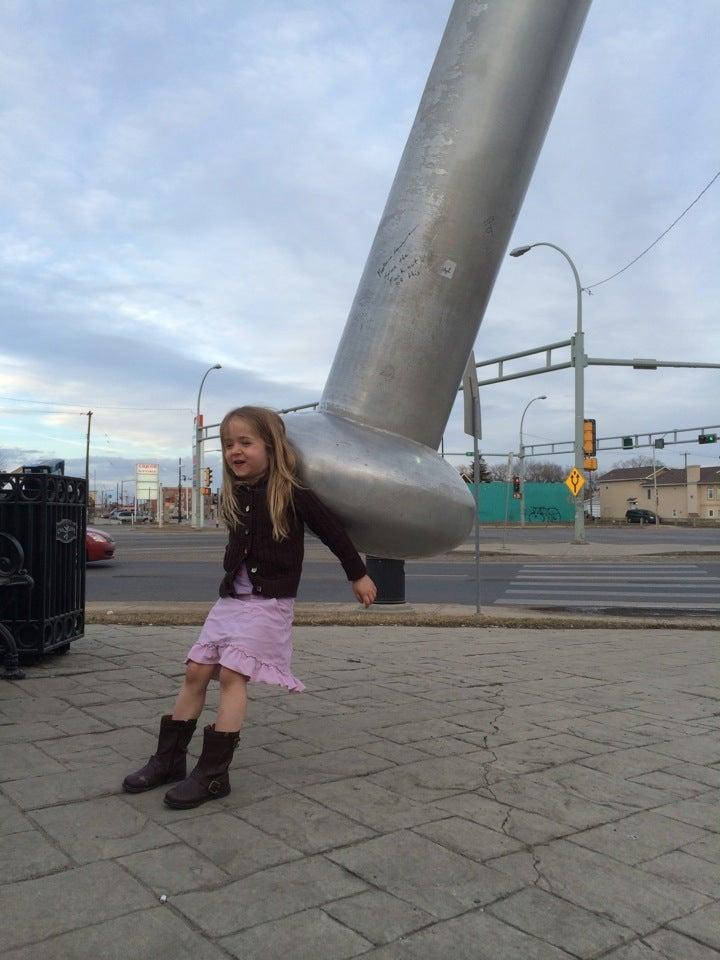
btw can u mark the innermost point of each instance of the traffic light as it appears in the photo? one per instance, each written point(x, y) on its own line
point(516, 485)
point(207, 477)
point(627, 443)
point(707, 438)
point(589, 438)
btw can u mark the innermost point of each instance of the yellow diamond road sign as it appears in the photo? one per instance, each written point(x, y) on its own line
point(575, 481)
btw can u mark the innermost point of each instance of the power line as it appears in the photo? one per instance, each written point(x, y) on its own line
point(707, 186)
point(84, 407)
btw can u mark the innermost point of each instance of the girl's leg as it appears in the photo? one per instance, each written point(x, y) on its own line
point(233, 701)
point(210, 779)
point(191, 698)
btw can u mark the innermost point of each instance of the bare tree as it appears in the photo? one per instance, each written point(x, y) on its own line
point(536, 471)
point(636, 463)
point(499, 471)
point(544, 471)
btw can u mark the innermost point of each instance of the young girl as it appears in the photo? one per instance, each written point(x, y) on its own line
point(247, 635)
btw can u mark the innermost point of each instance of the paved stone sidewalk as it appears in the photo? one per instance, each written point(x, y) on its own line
point(467, 793)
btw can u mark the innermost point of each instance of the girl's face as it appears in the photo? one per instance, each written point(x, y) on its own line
point(245, 453)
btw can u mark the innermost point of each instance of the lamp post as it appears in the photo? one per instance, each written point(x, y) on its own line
point(199, 506)
point(578, 362)
point(522, 459)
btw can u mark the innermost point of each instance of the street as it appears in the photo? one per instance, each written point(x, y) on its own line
point(185, 565)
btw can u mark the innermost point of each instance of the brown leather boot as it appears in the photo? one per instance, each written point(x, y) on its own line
point(209, 780)
point(168, 763)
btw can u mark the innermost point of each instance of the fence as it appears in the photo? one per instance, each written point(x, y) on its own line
point(544, 503)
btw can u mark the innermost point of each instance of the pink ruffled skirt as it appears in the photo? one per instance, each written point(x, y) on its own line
point(251, 635)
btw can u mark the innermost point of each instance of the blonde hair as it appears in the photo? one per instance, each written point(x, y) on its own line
point(282, 469)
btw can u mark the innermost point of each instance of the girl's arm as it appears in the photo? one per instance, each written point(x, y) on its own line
point(329, 528)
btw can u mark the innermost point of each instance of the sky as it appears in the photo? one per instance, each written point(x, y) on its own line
point(199, 182)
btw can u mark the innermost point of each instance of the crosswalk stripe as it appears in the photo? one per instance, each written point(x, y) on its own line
point(606, 577)
point(608, 584)
point(609, 581)
point(519, 601)
point(567, 565)
point(615, 593)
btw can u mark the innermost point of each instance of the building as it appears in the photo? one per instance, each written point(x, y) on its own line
point(691, 493)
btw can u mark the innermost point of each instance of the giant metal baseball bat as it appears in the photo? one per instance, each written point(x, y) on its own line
point(370, 449)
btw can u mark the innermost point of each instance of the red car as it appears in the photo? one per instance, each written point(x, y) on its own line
point(98, 545)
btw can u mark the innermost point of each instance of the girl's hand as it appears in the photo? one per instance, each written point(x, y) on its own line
point(365, 590)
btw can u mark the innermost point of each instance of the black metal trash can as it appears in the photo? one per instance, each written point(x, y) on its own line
point(47, 514)
point(389, 578)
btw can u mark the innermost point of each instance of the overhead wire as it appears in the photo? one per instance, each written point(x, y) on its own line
point(84, 407)
point(589, 288)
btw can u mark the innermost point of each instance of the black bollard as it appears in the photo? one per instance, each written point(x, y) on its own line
point(389, 578)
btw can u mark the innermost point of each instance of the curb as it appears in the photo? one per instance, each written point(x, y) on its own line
point(328, 615)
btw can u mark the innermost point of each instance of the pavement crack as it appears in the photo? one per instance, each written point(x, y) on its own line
point(503, 825)
point(659, 952)
point(540, 880)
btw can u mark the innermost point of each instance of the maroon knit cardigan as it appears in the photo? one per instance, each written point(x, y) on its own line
point(274, 566)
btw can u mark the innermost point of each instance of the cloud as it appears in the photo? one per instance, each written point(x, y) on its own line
point(200, 183)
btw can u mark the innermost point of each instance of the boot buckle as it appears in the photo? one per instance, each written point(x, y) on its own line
point(214, 787)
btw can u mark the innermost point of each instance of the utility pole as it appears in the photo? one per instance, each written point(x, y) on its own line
point(87, 461)
point(655, 486)
point(179, 502)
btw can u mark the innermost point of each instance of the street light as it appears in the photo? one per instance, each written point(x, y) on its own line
point(522, 459)
point(199, 510)
point(578, 362)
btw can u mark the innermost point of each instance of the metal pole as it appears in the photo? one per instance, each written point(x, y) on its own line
point(655, 486)
point(198, 517)
point(578, 363)
point(579, 366)
point(507, 496)
point(429, 274)
point(87, 460)
point(179, 498)
point(476, 484)
point(522, 459)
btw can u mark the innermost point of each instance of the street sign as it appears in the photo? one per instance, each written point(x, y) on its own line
point(147, 480)
point(471, 399)
point(575, 481)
